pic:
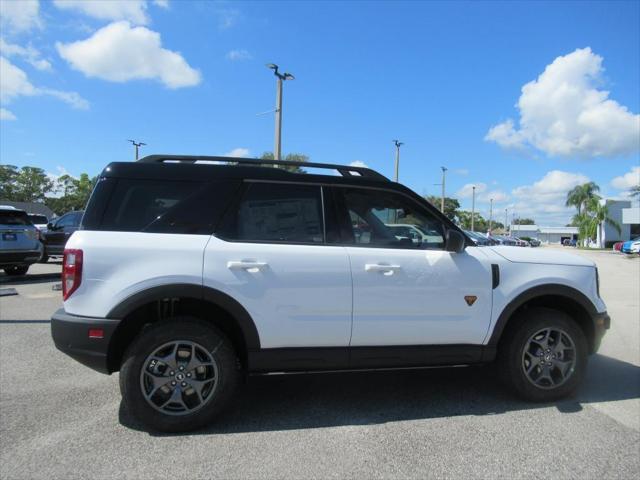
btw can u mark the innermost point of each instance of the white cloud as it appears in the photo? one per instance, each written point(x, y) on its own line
point(467, 190)
point(563, 113)
point(20, 16)
point(6, 114)
point(30, 54)
point(241, 54)
point(545, 199)
point(14, 83)
point(461, 171)
point(161, 3)
point(359, 163)
point(628, 180)
point(227, 17)
point(120, 52)
point(238, 153)
point(134, 11)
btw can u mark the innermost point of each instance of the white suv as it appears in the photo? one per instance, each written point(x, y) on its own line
point(189, 272)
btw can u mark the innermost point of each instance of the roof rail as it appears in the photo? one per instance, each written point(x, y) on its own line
point(344, 170)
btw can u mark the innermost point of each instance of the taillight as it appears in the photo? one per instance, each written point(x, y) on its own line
point(71, 271)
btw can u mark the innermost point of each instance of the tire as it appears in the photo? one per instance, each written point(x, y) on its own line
point(213, 349)
point(543, 383)
point(15, 271)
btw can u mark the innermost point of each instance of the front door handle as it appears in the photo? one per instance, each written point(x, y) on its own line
point(249, 266)
point(380, 267)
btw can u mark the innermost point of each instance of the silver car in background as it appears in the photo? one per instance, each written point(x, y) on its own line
point(20, 244)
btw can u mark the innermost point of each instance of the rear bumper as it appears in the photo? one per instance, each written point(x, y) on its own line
point(19, 257)
point(601, 323)
point(53, 250)
point(71, 336)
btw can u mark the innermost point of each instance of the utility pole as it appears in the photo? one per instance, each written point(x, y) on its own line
point(490, 215)
point(505, 220)
point(473, 209)
point(137, 145)
point(397, 144)
point(444, 170)
point(278, 135)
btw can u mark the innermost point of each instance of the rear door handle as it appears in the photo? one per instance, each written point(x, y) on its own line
point(247, 265)
point(379, 267)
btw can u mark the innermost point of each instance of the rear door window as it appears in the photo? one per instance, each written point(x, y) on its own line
point(277, 212)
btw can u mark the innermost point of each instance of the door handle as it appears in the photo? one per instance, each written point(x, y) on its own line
point(378, 267)
point(247, 265)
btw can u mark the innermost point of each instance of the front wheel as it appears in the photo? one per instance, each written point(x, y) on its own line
point(544, 356)
point(178, 375)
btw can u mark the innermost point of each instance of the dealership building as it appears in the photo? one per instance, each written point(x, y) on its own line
point(624, 212)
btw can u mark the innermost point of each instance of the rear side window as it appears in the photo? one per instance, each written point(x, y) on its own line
point(38, 219)
point(164, 206)
point(277, 213)
point(11, 217)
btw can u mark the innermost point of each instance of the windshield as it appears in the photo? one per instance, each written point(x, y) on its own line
point(13, 217)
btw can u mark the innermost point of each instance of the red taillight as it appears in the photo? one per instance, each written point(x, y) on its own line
point(71, 271)
point(96, 333)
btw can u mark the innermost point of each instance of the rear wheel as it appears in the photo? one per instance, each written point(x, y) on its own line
point(544, 355)
point(178, 375)
point(14, 271)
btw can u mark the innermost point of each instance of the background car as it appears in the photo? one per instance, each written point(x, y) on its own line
point(632, 246)
point(502, 240)
point(479, 239)
point(19, 241)
point(39, 221)
point(617, 246)
point(58, 232)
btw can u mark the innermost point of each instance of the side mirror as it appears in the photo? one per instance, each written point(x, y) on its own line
point(455, 241)
point(49, 226)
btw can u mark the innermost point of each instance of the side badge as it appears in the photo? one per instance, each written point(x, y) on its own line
point(470, 299)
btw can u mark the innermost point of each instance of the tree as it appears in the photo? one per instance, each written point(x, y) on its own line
point(451, 205)
point(634, 191)
point(524, 221)
point(75, 193)
point(8, 176)
point(30, 184)
point(290, 157)
point(579, 195)
point(593, 218)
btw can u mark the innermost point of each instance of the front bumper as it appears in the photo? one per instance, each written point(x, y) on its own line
point(601, 323)
point(71, 336)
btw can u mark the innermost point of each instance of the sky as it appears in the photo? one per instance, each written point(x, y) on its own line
point(524, 100)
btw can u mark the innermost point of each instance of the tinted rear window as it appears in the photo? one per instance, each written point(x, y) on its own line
point(10, 217)
point(39, 219)
point(164, 206)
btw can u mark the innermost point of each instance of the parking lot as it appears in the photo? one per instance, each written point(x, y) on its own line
point(59, 419)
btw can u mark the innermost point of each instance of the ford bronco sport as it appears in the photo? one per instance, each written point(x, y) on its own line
point(189, 272)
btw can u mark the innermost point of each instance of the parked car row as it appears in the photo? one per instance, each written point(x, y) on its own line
point(481, 239)
point(28, 238)
point(630, 247)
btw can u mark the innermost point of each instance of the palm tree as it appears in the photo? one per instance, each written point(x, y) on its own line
point(595, 216)
point(581, 194)
point(634, 191)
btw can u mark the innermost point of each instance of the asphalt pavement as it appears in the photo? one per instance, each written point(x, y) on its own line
point(59, 419)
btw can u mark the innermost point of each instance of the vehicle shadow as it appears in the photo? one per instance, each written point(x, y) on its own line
point(288, 402)
point(29, 278)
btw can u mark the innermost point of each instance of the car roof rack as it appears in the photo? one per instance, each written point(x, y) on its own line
point(344, 170)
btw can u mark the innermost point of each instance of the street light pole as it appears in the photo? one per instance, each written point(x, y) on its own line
point(281, 77)
point(397, 144)
point(473, 209)
point(505, 220)
point(444, 170)
point(137, 145)
point(490, 215)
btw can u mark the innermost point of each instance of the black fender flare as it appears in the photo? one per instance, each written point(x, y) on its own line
point(186, 290)
point(552, 289)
